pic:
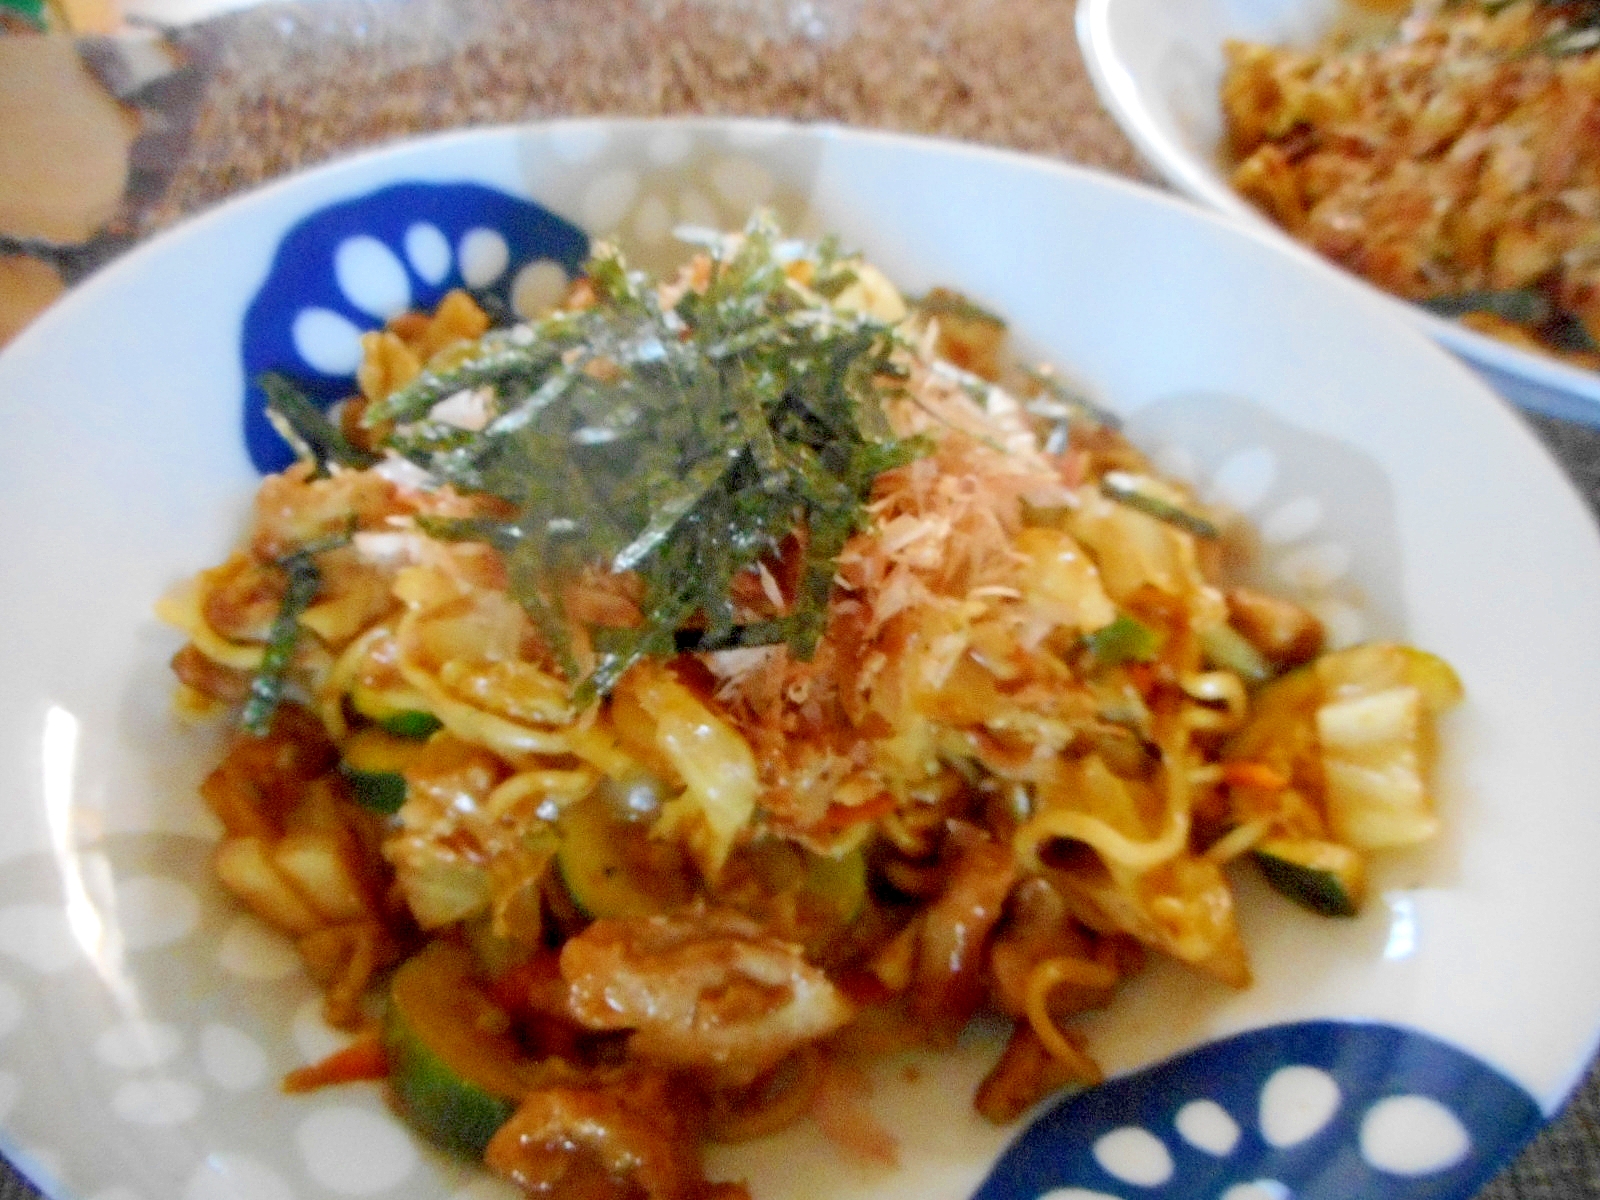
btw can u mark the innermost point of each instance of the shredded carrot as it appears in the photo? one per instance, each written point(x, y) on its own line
point(513, 988)
point(863, 988)
point(1074, 466)
point(840, 1110)
point(361, 1059)
point(1245, 772)
point(843, 816)
point(1143, 676)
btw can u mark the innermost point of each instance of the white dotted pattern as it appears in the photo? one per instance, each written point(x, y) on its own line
point(1413, 1135)
point(236, 1177)
point(231, 1058)
point(157, 1102)
point(1257, 1189)
point(38, 936)
point(13, 1008)
point(326, 341)
point(538, 288)
point(1249, 480)
point(1134, 1156)
point(1408, 1135)
point(617, 196)
point(1296, 1103)
point(354, 1152)
point(428, 252)
point(371, 277)
point(250, 950)
point(484, 257)
point(154, 911)
point(1206, 1125)
point(138, 1045)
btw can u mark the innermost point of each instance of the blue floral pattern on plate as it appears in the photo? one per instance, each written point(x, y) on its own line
point(1323, 1110)
point(349, 266)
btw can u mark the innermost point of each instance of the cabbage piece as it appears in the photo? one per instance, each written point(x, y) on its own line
point(1375, 730)
point(1372, 763)
point(715, 764)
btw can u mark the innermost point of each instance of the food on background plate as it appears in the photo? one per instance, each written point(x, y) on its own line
point(1452, 159)
point(653, 710)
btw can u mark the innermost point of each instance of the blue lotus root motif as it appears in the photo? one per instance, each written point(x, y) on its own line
point(1316, 1111)
point(350, 266)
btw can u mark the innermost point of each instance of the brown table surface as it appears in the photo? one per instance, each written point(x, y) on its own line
point(286, 85)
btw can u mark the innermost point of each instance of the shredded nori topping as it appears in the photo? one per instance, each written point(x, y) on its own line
point(685, 441)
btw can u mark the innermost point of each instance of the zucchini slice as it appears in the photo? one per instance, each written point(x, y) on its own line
point(403, 713)
point(375, 763)
point(838, 884)
point(801, 896)
point(833, 895)
point(1325, 877)
point(414, 723)
point(612, 867)
point(455, 1070)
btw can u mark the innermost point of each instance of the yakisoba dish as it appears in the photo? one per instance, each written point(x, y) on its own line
point(651, 709)
point(1448, 154)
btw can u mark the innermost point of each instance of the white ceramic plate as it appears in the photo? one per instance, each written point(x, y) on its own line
point(1158, 64)
point(144, 1021)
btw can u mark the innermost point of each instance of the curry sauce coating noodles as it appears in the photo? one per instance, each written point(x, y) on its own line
point(879, 695)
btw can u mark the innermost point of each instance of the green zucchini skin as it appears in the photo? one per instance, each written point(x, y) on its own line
point(410, 723)
point(374, 762)
point(403, 714)
point(610, 867)
point(1324, 877)
point(840, 883)
point(383, 792)
point(451, 1074)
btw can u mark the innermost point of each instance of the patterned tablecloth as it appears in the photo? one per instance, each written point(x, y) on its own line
point(252, 94)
